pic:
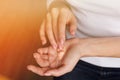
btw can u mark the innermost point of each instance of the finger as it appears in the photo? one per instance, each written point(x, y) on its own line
point(45, 57)
point(58, 72)
point(40, 50)
point(53, 57)
point(37, 70)
point(49, 31)
point(41, 62)
point(43, 50)
point(61, 54)
point(51, 51)
point(62, 27)
point(52, 54)
point(44, 53)
point(73, 26)
point(55, 14)
point(42, 33)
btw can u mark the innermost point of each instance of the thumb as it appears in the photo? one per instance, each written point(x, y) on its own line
point(52, 54)
point(73, 26)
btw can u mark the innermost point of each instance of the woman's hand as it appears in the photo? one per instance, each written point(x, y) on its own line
point(54, 25)
point(71, 56)
point(64, 63)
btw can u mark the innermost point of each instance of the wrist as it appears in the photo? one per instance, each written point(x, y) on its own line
point(86, 47)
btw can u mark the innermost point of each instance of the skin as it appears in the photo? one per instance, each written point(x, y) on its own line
point(51, 62)
point(54, 25)
point(73, 51)
point(60, 61)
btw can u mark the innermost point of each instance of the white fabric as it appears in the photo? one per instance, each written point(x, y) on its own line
point(98, 18)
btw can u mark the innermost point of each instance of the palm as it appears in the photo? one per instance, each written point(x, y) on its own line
point(68, 57)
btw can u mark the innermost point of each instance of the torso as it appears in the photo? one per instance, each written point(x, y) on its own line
point(98, 18)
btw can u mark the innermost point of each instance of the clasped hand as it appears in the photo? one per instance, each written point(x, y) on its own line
point(56, 60)
point(54, 63)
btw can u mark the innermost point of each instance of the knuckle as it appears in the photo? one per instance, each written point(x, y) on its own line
point(54, 10)
point(63, 10)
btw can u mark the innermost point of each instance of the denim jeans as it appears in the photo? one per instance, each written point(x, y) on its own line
point(87, 71)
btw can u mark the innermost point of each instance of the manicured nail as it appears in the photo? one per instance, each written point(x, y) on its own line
point(29, 67)
point(55, 47)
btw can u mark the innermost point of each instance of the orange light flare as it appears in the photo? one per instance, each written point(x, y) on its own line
point(19, 31)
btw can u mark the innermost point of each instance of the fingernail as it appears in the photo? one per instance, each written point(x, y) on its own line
point(61, 44)
point(73, 33)
point(29, 67)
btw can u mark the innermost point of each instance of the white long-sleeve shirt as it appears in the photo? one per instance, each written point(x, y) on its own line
point(97, 18)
